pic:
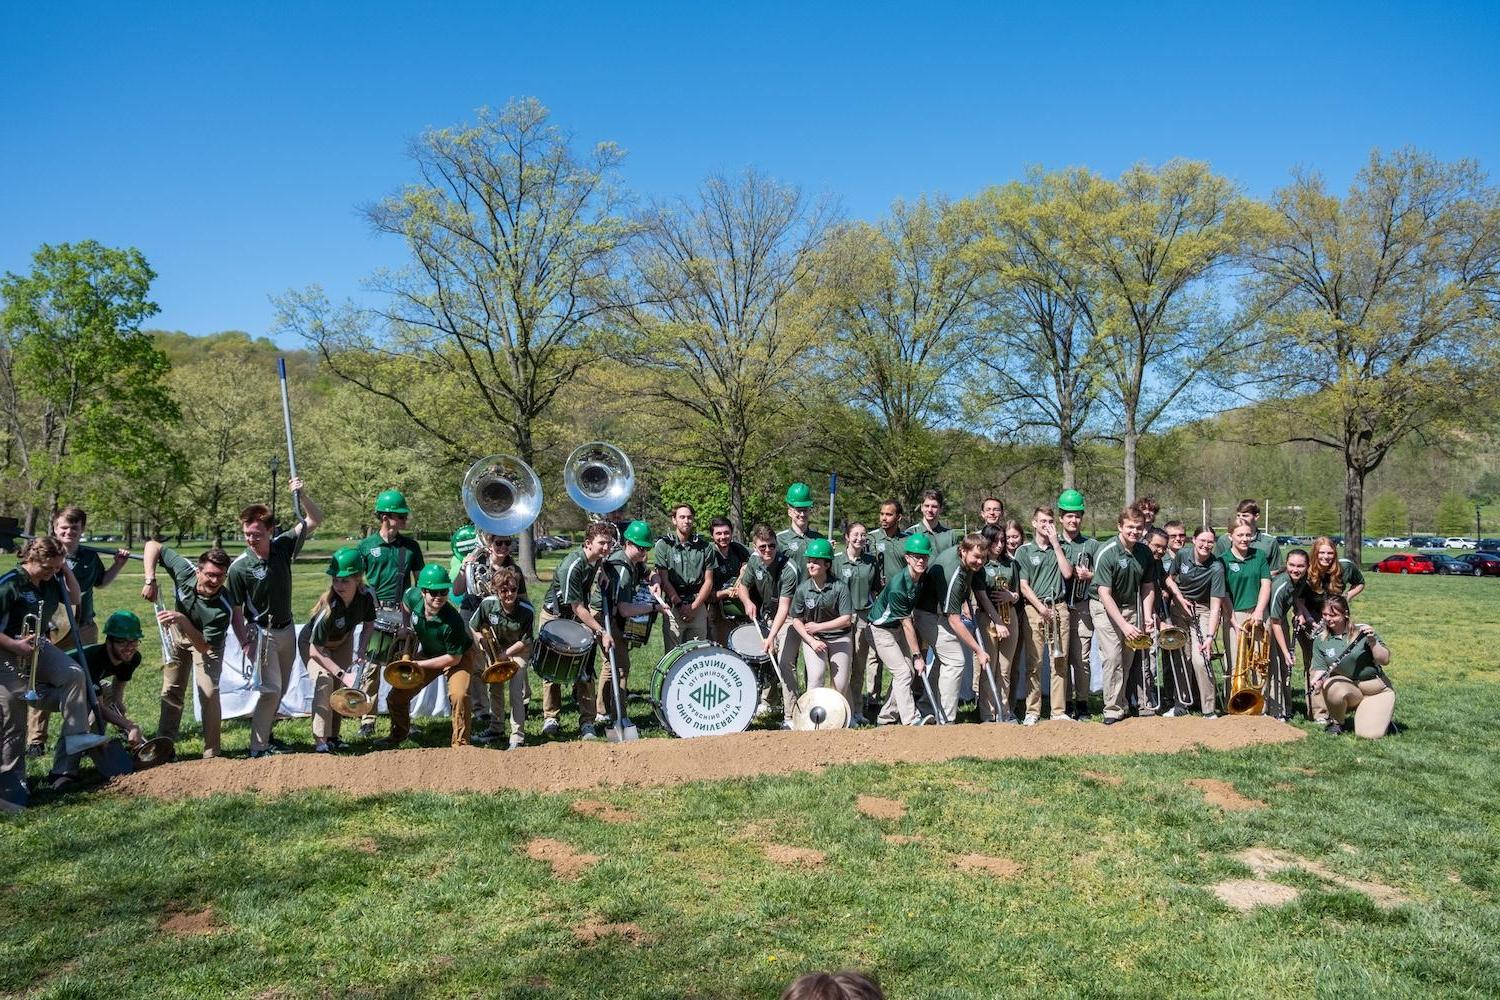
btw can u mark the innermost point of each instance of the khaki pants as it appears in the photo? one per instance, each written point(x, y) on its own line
point(1373, 703)
point(948, 659)
point(606, 686)
point(1080, 635)
point(325, 721)
point(276, 674)
point(1038, 658)
point(36, 718)
point(788, 646)
point(398, 702)
point(205, 669)
point(894, 654)
point(59, 683)
point(1197, 667)
point(493, 698)
point(583, 689)
point(682, 626)
point(1112, 657)
point(860, 646)
point(1002, 659)
point(840, 649)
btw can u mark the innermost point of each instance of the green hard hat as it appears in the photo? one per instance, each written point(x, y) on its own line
point(1070, 500)
point(639, 532)
point(433, 577)
point(346, 562)
point(464, 540)
point(819, 548)
point(391, 502)
point(123, 625)
point(917, 544)
point(798, 495)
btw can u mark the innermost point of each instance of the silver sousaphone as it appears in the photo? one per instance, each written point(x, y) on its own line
point(502, 495)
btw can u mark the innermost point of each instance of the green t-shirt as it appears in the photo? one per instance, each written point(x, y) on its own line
point(622, 577)
point(794, 547)
point(945, 585)
point(1265, 544)
point(1284, 594)
point(444, 635)
point(1080, 552)
point(862, 576)
point(889, 550)
point(573, 584)
point(1359, 667)
point(1199, 582)
point(1003, 572)
point(19, 597)
point(390, 567)
point(684, 562)
point(336, 621)
point(88, 570)
point(1039, 569)
point(942, 536)
point(209, 615)
point(1353, 577)
point(768, 584)
point(263, 587)
point(507, 628)
point(1123, 572)
point(1243, 577)
point(897, 601)
point(812, 603)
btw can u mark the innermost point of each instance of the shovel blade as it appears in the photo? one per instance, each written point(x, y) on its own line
point(623, 734)
point(113, 760)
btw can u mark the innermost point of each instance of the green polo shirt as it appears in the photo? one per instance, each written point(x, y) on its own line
point(19, 597)
point(1123, 572)
point(572, 585)
point(209, 615)
point(1265, 544)
point(942, 536)
point(88, 570)
point(390, 567)
point(102, 667)
point(1243, 577)
point(1080, 552)
point(685, 563)
point(1003, 572)
point(1360, 667)
point(794, 547)
point(508, 628)
point(945, 585)
point(444, 635)
point(1353, 577)
point(726, 565)
point(897, 601)
point(1199, 582)
point(889, 550)
point(1038, 567)
point(1284, 594)
point(862, 576)
point(336, 621)
point(812, 603)
point(263, 587)
point(768, 584)
point(622, 577)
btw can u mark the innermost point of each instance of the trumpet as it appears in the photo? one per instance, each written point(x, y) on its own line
point(1052, 637)
point(31, 628)
point(1252, 659)
point(167, 635)
point(254, 673)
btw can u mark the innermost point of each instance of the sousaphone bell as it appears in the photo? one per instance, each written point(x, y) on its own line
point(502, 495)
point(599, 477)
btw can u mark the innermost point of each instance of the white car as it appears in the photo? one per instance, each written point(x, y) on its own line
point(1461, 543)
point(1393, 543)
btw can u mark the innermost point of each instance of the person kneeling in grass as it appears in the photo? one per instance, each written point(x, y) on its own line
point(1349, 668)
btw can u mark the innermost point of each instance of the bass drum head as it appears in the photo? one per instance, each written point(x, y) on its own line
point(700, 689)
point(746, 642)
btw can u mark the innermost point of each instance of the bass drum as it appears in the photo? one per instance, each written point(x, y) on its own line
point(700, 689)
point(564, 652)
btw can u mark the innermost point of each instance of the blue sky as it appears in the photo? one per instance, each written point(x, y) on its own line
point(232, 144)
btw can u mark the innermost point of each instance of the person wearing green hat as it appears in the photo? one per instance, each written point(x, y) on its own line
point(623, 575)
point(765, 588)
point(116, 660)
point(823, 617)
point(954, 577)
point(1045, 572)
point(862, 573)
point(444, 648)
point(1080, 550)
point(681, 563)
point(894, 633)
point(328, 644)
point(197, 626)
point(392, 562)
point(568, 598)
point(259, 587)
point(792, 540)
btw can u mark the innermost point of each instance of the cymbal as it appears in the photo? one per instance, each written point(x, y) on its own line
point(821, 708)
point(351, 703)
point(154, 753)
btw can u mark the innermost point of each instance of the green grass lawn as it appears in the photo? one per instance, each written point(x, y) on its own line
point(433, 895)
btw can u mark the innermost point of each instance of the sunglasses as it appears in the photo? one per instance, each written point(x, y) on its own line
point(435, 593)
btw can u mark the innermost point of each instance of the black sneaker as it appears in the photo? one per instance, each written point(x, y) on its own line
point(270, 751)
point(366, 730)
point(64, 782)
point(35, 749)
point(278, 745)
point(1334, 729)
point(1109, 721)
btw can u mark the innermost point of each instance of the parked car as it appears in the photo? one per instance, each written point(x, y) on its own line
point(552, 543)
point(1460, 543)
point(1489, 545)
point(1393, 543)
point(1450, 565)
point(1407, 562)
point(1426, 542)
point(1480, 563)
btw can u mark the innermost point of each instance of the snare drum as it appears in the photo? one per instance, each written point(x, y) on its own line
point(747, 642)
point(563, 652)
point(637, 630)
point(699, 689)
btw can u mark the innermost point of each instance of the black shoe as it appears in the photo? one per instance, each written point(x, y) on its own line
point(1334, 729)
point(64, 782)
point(270, 751)
point(366, 730)
point(35, 749)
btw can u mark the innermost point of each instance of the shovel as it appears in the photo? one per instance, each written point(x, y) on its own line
point(111, 758)
point(623, 731)
point(932, 699)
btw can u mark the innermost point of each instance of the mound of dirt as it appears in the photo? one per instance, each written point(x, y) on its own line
point(984, 864)
point(785, 854)
point(604, 811)
point(189, 923)
point(564, 767)
point(876, 807)
point(565, 861)
point(1224, 795)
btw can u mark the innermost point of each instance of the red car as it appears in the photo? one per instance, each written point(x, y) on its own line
point(1411, 562)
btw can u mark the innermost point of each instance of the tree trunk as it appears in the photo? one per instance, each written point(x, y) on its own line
point(1354, 512)
point(1068, 451)
point(1131, 439)
point(736, 501)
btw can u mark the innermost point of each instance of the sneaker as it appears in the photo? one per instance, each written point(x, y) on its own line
point(1210, 715)
point(483, 738)
point(366, 730)
point(1334, 729)
point(338, 744)
point(211, 754)
point(322, 748)
point(63, 782)
point(928, 720)
point(517, 741)
point(1176, 712)
point(1061, 717)
point(35, 749)
point(589, 732)
point(1110, 720)
point(270, 751)
point(786, 725)
point(1031, 719)
point(551, 729)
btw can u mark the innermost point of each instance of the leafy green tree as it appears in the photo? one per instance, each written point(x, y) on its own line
point(83, 388)
point(1378, 311)
point(1455, 515)
point(1321, 518)
point(1388, 515)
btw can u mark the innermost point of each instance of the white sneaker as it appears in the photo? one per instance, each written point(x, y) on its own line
point(517, 741)
point(550, 729)
point(1210, 715)
point(1061, 718)
point(1030, 720)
